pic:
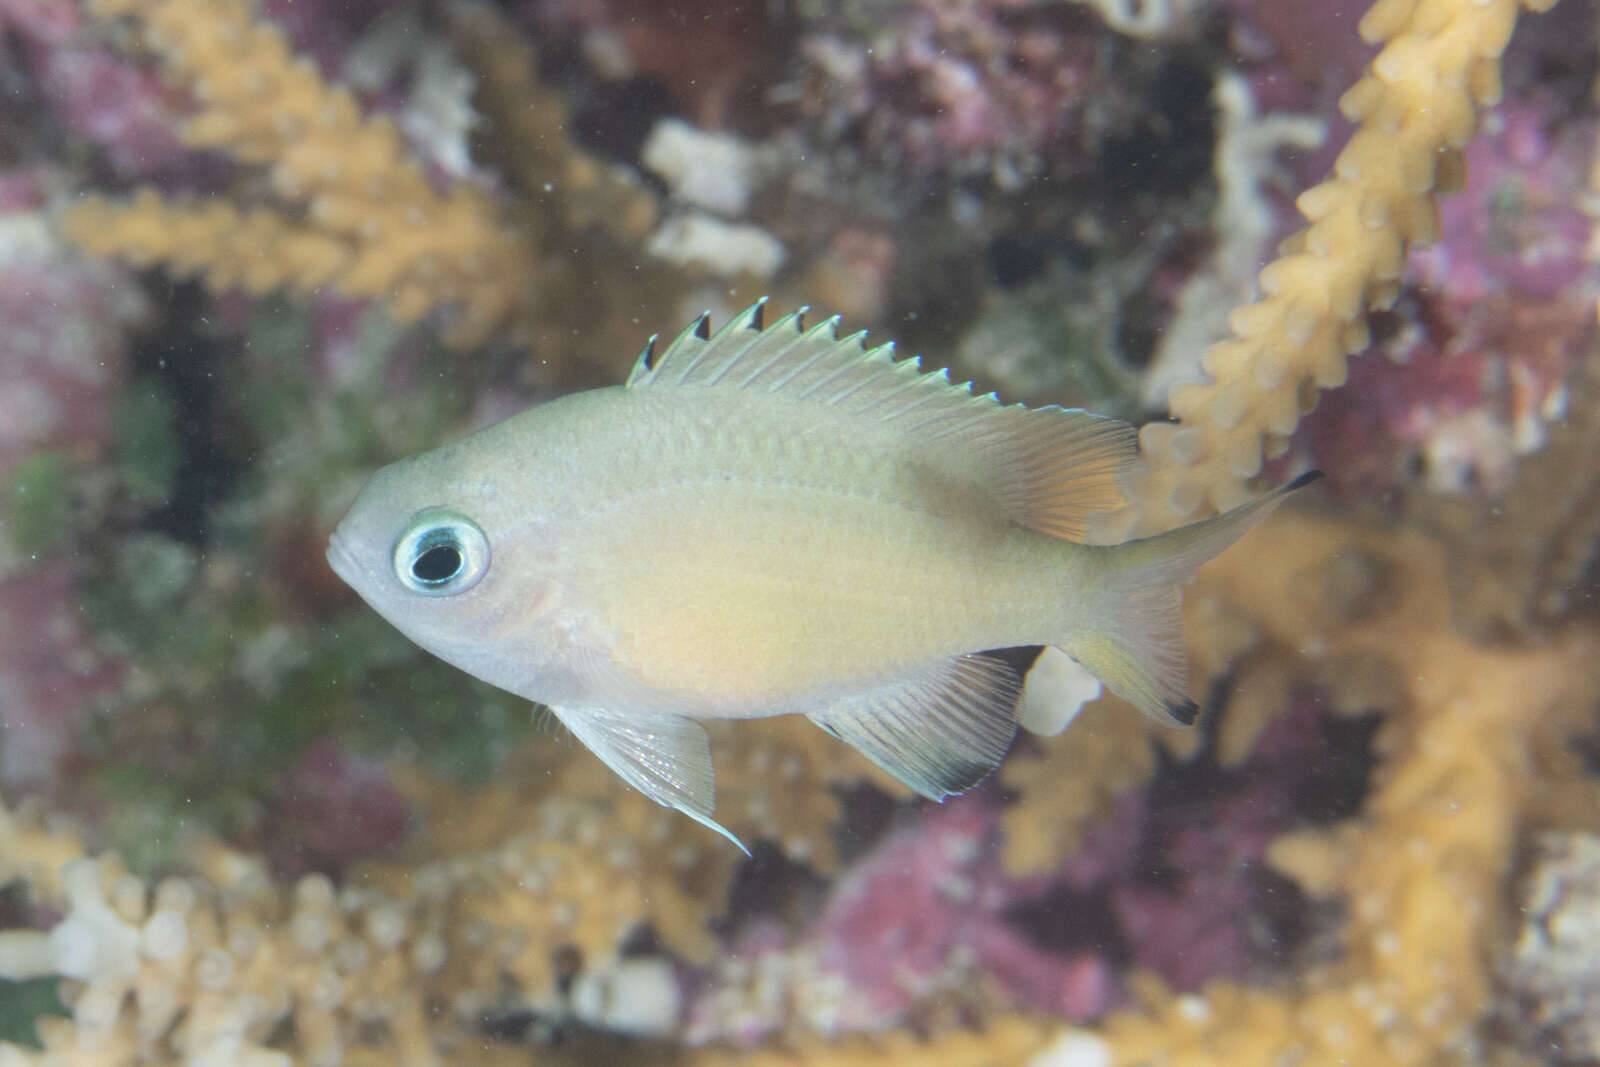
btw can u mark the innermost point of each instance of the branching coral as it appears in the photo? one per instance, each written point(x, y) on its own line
point(529, 138)
point(777, 781)
point(402, 964)
point(558, 859)
point(1421, 868)
point(352, 209)
point(1074, 777)
point(554, 869)
point(1474, 749)
point(206, 969)
point(511, 892)
point(1012, 1042)
point(1417, 107)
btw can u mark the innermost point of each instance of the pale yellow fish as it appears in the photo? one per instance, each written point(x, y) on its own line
point(770, 521)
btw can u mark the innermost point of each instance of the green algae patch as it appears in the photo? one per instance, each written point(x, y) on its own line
point(38, 496)
point(147, 454)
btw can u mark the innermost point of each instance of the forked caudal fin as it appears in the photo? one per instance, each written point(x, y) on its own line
point(1134, 642)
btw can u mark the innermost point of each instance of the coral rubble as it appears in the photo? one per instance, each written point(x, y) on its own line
point(1550, 972)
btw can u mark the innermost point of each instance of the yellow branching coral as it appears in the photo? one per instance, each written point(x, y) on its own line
point(1416, 108)
point(528, 134)
point(32, 852)
point(511, 890)
point(558, 858)
point(399, 966)
point(206, 970)
point(1074, 778)
point(1422, 869)
point(1007, 1042)
point(777, 781)
point(353, 210)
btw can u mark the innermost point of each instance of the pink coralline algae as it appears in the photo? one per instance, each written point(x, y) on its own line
point(1188, 923)
point(49, 675)
point(1176, 872)
point(925, 915)
point(712, 56)
point(1172, 880)
point(928, 911)
point(61, 356)
point(957, 88)
point(1297, 56)
point(62, 350)
point(333, 808)
point(1473, 364)
point(1515, 229)
point(93, 92)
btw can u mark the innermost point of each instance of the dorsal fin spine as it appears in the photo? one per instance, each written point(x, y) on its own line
point(781, 348)
point(832, 326)
point(727, 368)
point(688, 368)
point(772, 360)
point(910, 371)
point(733, 332)
point(679, 344)
point(855, 387)
point(915, 401)
point(794, 372)
point(1048, 468)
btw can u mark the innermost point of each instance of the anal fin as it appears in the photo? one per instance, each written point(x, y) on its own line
point(940, 730)
point(666, 757)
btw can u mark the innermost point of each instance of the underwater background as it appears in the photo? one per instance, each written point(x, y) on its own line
point(250, 252)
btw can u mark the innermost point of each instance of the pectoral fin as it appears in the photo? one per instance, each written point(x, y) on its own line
point(664, 756)
point(940, 730)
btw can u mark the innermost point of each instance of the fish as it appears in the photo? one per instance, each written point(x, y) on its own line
point(780, 520)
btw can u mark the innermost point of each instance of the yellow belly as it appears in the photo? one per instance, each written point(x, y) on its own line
point(750, 603)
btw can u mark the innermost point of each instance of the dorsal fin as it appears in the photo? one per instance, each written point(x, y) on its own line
point(1049, 468)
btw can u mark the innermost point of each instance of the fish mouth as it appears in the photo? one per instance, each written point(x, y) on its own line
point(341, 558)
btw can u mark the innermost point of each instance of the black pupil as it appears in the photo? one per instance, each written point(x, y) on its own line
point(438, 564)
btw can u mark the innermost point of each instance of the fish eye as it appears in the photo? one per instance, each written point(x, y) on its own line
point(441, 553)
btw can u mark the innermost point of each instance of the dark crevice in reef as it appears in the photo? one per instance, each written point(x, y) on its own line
point(1189, 892)
point(180, 363)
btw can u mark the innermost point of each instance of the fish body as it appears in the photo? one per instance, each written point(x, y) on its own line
point(776, 520)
